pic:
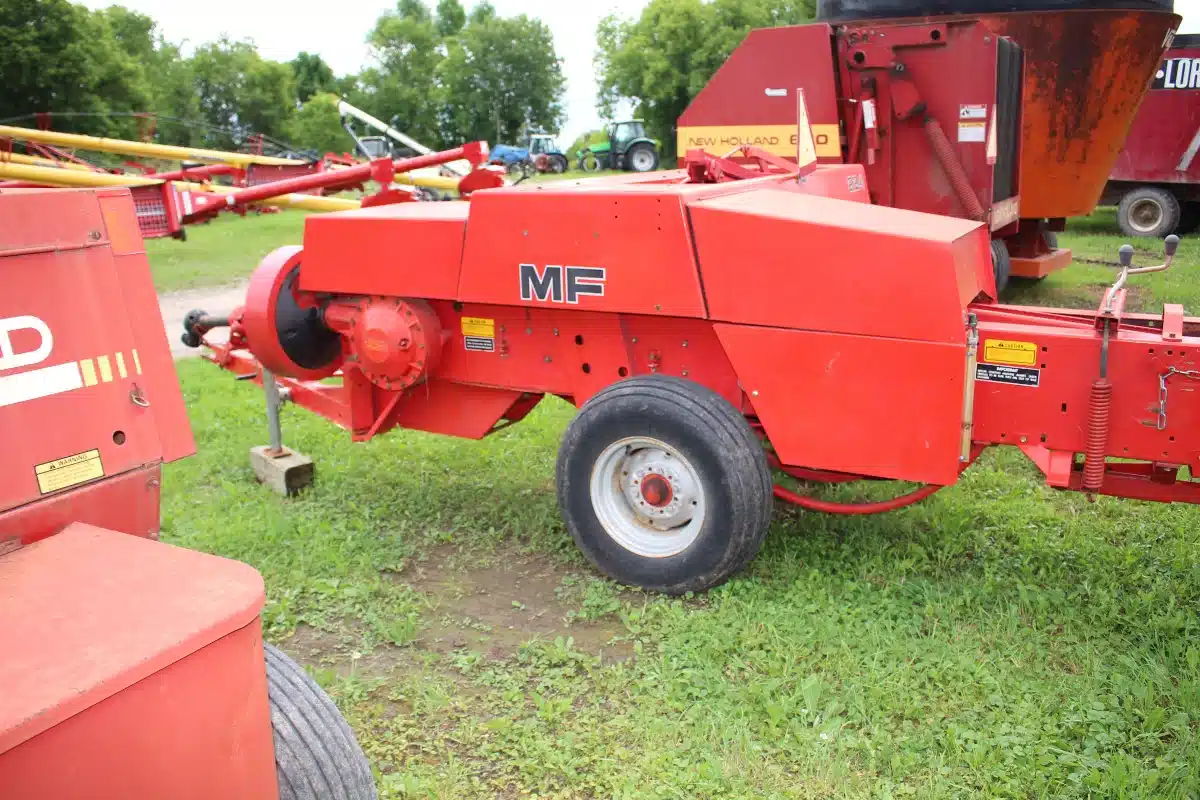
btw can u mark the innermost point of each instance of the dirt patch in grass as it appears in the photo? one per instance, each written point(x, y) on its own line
point(492, 604)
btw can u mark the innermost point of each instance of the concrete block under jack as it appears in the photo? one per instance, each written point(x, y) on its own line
point(285, 474)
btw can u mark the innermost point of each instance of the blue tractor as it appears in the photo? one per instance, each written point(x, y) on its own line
point(540, 154)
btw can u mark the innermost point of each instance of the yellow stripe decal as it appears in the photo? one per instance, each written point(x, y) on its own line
point(121, 365)
point(778, 140)
point(137, 363)
point(105, 368)
point(89, 372)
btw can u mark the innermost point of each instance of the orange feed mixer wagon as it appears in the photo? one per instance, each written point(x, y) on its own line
point(130, 668)
point(1011, 113)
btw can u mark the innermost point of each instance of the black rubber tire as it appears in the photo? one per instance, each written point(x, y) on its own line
point(714, 437)
point(558, 164)
point(316, 754)
point(1189, 219)
point(1145, 197)
point(590, 162)
point(641, 147)
point(1001, 264)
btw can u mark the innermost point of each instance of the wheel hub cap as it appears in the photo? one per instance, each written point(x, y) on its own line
point(648, 497)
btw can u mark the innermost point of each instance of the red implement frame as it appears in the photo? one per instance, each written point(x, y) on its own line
point(783, 295)
point(89, 403)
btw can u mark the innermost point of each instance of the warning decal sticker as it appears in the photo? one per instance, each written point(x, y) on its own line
point(1017, 376)
point(1015, 354)
point(972, 131)
point(70, 471)
point(479, 334)
point(479, 344)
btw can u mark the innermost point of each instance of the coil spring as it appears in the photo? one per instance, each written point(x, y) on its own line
point(1099, 404)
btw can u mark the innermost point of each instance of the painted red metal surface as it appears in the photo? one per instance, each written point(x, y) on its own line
point(798, 308)
point(151, 683)
point(751, 100)
point(390, 245)
point(1159, 148)
point(85, 371)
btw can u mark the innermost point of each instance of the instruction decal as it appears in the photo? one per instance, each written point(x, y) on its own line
point(479, 334)
point(972, 131)
point(69, 471)
point(1017, 376)
point(1013, 354)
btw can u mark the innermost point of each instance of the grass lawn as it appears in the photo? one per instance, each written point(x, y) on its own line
point(223, 251)
point(999, 640)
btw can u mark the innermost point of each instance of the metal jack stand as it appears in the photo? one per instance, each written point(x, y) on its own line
point(285, 471)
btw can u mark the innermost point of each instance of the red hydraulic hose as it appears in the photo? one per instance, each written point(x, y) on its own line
point(824, 506)
point(828, 507)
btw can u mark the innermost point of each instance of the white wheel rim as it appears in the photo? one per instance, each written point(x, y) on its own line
point(1145, 215)
point(643, 161)
point(627, 493)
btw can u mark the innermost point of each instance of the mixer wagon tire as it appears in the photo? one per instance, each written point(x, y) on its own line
point(1189, 219)
point(1148, 211)
point(316, 754)
point(1001, 264)
point(663, 485)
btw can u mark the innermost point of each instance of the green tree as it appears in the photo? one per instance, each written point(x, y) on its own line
point(406, 49)
point(56, 56)
point(661, 60)
point(312, 75)
point(501, 76)
point(238, 90)
point(450, 17)
point(317, 125)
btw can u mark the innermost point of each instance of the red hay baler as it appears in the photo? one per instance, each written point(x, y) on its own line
point(711, 330)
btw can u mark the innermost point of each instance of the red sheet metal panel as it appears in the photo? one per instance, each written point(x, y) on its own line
point(152, 680)
point(1163, 145)
point(795, 261)
point(752, 98)
point(128, 503)
point(1049, 406)
point(87, 386)
point(402, 250)
point(858, 404)
point(596, 248)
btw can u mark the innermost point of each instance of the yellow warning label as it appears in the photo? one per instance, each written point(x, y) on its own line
point(778, 140)
point(69, 471)
point(479, 326)
point(1017, 354)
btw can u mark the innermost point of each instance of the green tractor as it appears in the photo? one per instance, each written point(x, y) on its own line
point(627, 148)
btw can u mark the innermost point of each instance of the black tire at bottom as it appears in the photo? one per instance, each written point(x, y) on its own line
point(1001, 264)
point(715, 439)
point(316, 754)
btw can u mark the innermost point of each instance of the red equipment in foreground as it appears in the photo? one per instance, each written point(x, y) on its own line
point(709, 331)
point(131, 669)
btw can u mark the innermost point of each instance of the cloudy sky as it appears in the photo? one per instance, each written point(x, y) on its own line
point(282, 28)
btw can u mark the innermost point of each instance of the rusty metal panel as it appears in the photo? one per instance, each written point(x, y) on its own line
point(1085, 75)
point(1164, 141)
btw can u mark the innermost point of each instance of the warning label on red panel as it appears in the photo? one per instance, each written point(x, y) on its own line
point(480, 344)
point(1017, 376)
